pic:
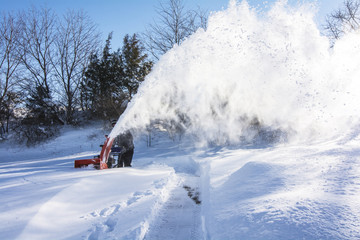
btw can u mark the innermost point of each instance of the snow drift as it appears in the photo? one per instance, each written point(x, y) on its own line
point(272, 70)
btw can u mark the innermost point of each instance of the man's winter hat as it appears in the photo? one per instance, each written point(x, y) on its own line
point(113, 122)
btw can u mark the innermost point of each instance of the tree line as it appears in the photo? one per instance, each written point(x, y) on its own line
point(51, 73)
point(55, 71)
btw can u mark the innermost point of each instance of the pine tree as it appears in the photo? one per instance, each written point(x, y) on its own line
point(114, 78)
point(102, 88)
point(134, 63)
point(41, 107)
point(41, 121)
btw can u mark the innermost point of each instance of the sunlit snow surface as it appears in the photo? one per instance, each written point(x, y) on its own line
point(301, 191)
point(274, 66)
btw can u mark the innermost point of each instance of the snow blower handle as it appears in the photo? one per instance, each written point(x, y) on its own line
point(105, 152)
point(98, 162)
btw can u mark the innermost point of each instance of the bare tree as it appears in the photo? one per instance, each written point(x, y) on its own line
point(197, 19)
point(10, 59)
point(343, 20)
point(37, 41)
point(172, 27)
point(77, 38)
point(37, 44)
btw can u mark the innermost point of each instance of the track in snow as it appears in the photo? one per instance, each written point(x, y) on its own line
point(180, 216)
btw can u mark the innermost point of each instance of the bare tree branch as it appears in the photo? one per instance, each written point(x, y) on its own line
point(343, 20)
point(37, 41)
point(9, 54)
point(172, 27)
point(76, 39)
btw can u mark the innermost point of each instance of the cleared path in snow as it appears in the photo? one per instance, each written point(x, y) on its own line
point(180, 216)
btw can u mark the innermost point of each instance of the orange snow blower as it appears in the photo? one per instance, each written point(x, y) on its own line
point(99, 162)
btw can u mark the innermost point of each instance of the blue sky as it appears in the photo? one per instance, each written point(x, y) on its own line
point(132, 16)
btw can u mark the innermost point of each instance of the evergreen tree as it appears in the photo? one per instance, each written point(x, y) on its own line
point(88, 86)
point(41, 121)
point(41, 107)
point(102, 86)
point(134, 64)
point(114, 78)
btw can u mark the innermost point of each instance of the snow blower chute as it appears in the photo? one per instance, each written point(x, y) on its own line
point(99, 162)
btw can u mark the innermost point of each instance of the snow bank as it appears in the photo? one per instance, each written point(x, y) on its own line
point(298, 192)
point(105, 195)
point(274, 67)
point(44, 197)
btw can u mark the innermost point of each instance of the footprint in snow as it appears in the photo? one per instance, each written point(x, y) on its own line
point(104, 212)
point(138, 195)
point(110, 224)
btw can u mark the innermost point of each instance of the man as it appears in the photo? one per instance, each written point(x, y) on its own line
point(126, 142)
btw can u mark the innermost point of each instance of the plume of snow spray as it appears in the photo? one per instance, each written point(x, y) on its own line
point(276, 69)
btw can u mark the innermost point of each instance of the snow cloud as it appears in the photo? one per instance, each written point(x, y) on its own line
point(273, 70)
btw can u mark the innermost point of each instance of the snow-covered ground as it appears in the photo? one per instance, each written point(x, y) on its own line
point(174, 191)
point(272, 71)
